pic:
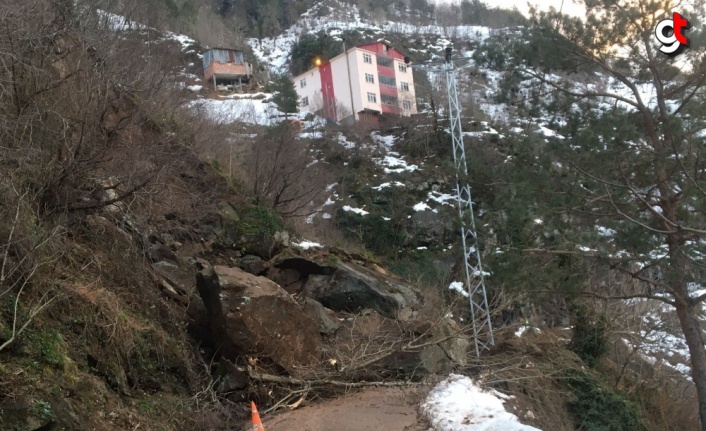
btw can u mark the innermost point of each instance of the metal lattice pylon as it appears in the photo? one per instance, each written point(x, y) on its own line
point(472, 266)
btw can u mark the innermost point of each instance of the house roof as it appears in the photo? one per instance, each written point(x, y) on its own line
point(381, 47)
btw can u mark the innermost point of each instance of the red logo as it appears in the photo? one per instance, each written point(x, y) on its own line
point(670, 33)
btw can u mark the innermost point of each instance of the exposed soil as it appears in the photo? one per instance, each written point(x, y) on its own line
point(389, 409)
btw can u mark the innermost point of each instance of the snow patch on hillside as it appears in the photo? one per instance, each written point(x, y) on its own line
point(459, 287)
point(441, 198)
point(384, 141)
point(660, 340)
point(389, 184)
point(119, 23)
point(275, 50)
point(358, 211)
point(349, 145)
point(421, 206)
point(395, 164)
point(306, 245)
point(251, 111)
point(186, 42)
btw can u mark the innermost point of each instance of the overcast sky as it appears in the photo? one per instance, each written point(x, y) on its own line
point(570, 7)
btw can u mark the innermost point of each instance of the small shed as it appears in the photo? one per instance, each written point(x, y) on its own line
point(226, 66)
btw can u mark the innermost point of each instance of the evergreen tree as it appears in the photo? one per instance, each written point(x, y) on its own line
point(627, 185)
point(224, 6)
point(422, 10)
point(472, 12)
point(285, 96)
point(311, 46)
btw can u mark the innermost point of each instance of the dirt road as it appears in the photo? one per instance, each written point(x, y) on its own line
point(389, 409)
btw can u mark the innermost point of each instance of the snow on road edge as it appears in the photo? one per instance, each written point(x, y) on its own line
point(458, 404)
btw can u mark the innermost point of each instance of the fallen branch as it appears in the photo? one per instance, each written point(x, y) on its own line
point(43, 303)
point(271, 378)
point(409, 347)
point(283, 402)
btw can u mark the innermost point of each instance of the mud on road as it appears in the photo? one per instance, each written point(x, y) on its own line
point(389, 409)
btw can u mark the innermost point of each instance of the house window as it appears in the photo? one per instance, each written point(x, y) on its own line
point(372, 98)
point(402, 67)
point(407, 105)
point(386, 62)
point(388, 81)
point(302, 83)
point(370, 78)
point(367, 58)
point(305, 101)
point(388, 100)
point(404, 86)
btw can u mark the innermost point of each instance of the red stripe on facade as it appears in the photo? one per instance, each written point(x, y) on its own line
point(386, 71)
point(327, 92)
point(387, 90)
point(384, 89)
point(389, 109)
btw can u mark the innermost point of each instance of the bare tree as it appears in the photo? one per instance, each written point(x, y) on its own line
point(23, 254)
point(281, 171)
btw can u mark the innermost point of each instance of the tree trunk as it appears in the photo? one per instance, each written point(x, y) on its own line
point(694, 340)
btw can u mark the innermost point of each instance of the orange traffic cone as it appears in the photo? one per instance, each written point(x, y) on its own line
point(256, 422)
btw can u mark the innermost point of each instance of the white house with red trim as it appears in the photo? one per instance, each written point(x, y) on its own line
point(366, 81)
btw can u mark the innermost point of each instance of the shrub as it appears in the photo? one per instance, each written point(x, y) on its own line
point(257, 220)
point(421, 267)
point(589, 340)
point(595, 407)
point(377, 234)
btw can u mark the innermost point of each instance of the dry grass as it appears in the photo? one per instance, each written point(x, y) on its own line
point(530, 368)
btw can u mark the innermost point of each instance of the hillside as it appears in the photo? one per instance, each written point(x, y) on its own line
point(170, 252)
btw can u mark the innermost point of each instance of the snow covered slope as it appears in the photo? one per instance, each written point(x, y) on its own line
point(275, 51)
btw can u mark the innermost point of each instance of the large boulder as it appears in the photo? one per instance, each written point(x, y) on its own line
point(324, 318)
point(456, 344)
point(445, 346)
point(429, 228)
point(26, 414)
point(252, 230)
point(252, 264)
point(291, 271)
point(353, 288)
point(451, 350)
point(265, 245)
point(252, 315)
point(178, 276)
